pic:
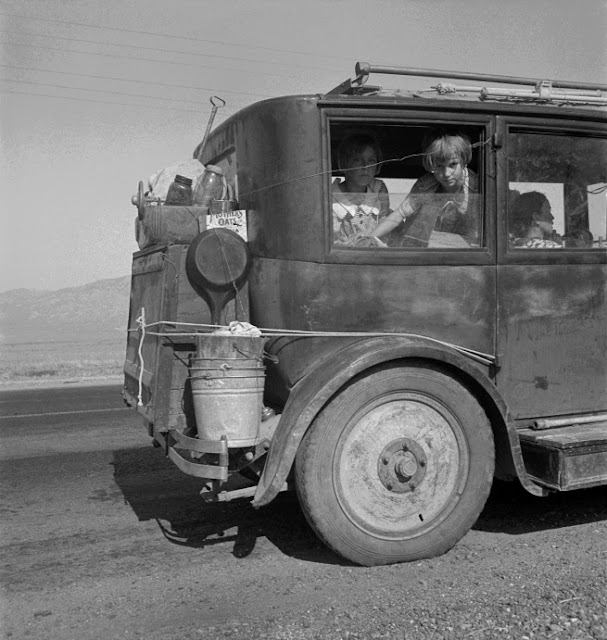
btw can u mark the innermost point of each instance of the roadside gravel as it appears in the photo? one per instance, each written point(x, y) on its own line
point(109, 544)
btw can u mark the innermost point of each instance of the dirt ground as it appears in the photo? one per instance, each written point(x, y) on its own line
point(102, 537)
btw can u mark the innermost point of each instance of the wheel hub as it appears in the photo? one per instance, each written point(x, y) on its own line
point(402, 465)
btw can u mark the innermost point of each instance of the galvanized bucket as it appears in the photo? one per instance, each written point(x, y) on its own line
point(227, 376)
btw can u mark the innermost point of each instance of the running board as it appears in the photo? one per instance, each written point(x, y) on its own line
point(566, 458)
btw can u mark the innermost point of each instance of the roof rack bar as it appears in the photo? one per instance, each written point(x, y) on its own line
point(364, 69)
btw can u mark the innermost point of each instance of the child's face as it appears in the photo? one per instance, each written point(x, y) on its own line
point(361, 169)
point(449, 172)
point(544, 219)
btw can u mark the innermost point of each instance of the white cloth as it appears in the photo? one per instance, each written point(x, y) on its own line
point(159, 183)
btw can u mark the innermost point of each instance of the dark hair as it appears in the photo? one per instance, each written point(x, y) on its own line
point(440, 145)
point(356, 143)
point(521, 213)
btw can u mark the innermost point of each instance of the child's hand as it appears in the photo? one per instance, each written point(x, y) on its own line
point(361, 240)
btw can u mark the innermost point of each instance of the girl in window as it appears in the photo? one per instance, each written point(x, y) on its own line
point(441, 199)
point(360, 200)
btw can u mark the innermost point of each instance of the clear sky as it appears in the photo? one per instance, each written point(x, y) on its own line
point(95, 96)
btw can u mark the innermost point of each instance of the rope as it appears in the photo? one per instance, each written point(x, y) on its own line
point(142, 326)
point(483, 358)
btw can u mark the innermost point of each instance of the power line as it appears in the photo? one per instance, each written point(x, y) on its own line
point(121, 104)
point(168, 35)
point(111, 55)
point(119, 93)
point(162, 84)
point(134, 46)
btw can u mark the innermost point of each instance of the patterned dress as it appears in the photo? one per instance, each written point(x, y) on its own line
point(357, 214)
point(536, 243)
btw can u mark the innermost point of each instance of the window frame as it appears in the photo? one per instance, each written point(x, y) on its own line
point(507, 254)
point(411, 256)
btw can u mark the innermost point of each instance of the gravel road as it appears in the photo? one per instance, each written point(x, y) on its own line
point(111, 541)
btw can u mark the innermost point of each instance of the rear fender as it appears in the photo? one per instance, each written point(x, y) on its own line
point(313, 391)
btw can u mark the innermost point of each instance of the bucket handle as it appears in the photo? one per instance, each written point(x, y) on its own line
point(249, 354)
point(253, 356)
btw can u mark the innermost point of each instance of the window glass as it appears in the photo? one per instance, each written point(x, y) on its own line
point(227, 162)
point(557, 191)
point(226, 214)
point(407, 186)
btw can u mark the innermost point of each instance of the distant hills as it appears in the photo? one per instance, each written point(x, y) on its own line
point(98, 310)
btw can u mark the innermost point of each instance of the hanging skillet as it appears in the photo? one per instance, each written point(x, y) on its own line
point(217, 264)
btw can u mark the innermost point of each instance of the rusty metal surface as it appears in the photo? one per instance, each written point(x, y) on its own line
point(450, 303)
point(280, 181)
point(552, 339)
point(567, 458)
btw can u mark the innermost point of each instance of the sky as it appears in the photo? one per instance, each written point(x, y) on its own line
point(96, 96)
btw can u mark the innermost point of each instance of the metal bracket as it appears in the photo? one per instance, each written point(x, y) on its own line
point(206, 471)
point(353, 85)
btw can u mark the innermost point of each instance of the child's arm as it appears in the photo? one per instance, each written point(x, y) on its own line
point(385, 226)
point(393, 219)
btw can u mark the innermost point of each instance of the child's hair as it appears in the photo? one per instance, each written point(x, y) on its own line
point(356, 143)
point(521, 214)
point(440, 145)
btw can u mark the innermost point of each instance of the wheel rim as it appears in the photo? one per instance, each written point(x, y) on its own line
point(400, 465)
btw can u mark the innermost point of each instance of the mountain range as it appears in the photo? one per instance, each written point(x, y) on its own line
point(98, 310)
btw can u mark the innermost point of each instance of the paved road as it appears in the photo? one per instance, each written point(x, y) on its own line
point(102, 537)
point(65, 419)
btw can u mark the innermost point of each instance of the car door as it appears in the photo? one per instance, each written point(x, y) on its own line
point(552, 291)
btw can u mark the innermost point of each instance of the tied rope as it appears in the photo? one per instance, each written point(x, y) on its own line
point(478, 356)
point(141, 328)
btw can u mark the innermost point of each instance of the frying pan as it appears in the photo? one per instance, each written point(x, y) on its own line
point(217, 264)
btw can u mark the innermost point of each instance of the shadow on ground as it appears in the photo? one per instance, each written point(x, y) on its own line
point(510, 509)
point(156, 490)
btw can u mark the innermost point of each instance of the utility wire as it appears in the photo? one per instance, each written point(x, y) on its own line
point(168, 35)
point(121, 104)
point(162, 84)
point(111, 55)
point(134, 46)
point(118, 93)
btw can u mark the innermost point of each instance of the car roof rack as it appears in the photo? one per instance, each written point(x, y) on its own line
point(543, 90)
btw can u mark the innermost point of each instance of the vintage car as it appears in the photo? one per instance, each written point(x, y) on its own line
point(388, 382)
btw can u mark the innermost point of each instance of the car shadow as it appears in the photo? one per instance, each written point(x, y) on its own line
point(155, 489)
point(511, 509)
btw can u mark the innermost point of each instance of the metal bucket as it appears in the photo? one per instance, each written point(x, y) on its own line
point(227, 378)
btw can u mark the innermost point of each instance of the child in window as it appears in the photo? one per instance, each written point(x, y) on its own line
point(531, 223)
point(441, 199)
point(360, 200)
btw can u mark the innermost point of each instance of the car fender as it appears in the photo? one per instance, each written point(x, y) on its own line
point(313, 391)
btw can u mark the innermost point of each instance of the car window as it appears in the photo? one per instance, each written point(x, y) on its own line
point(557, 191)
point(407, 186)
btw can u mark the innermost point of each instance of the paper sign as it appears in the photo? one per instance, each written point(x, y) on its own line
point(233, 220)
